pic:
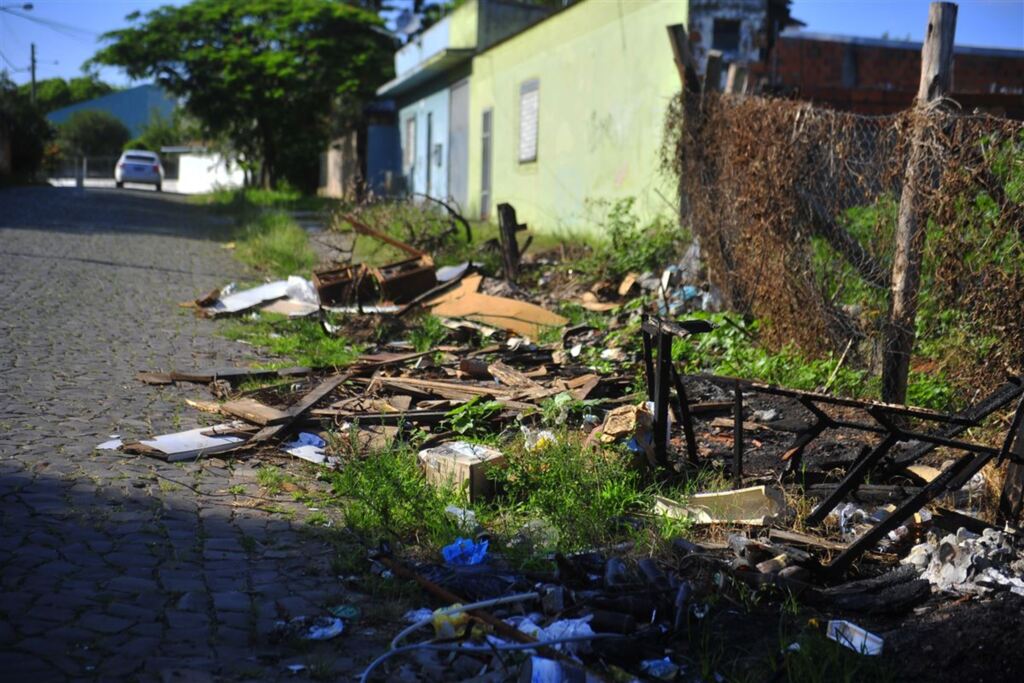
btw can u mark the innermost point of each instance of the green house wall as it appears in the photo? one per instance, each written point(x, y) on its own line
point(606, 76)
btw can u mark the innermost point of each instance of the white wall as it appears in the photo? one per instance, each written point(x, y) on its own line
point(199, 173)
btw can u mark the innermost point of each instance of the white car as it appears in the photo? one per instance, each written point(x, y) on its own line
point(139, 166)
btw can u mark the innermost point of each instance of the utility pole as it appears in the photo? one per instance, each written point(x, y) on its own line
point(32, 66)
point(936, 81)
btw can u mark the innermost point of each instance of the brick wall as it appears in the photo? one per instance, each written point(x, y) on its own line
point(878, 79)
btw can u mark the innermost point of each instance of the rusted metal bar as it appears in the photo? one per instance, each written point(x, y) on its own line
point(685, 416)
point(662, 382)
point(852, 480)
point(966, 467)
point(890, 408)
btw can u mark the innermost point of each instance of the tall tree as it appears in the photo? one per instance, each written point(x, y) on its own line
point(27, 130)
point(54, 93)
point(265, 74)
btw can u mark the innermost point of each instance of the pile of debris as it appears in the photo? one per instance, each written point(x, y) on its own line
point(775, 444)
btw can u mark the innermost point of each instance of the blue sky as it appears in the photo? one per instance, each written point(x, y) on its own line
point(993, 23)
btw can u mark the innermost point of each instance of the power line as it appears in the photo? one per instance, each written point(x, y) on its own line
point(64, 29)
point(10, 63)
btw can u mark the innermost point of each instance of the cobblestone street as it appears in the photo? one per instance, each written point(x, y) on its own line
point(118, 567)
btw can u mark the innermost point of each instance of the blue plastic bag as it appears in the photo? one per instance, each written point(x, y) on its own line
point(307, 439)
point(464, 552)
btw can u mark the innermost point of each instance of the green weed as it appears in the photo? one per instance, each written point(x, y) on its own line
point(581, 492)
point(299, 339)
point(473, 418)
point(386, 494)
point(428, 333)
point(630, 245)
point(275, 243)
point(271, 479)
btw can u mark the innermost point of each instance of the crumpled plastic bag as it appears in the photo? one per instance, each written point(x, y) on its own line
point(464, 552)
point(301, 289)
point(306, 439)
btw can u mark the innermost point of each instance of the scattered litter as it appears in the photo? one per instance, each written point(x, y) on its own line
point(754, 505)
point(967, 563)
point(345, 611)
point(520, 317)
point(854, 637)
point(449, 273)
point(460, 464)
point(189, 444)
point(449, 625)
point(464, 552)
point(770, 415)
point(538, 440)
point(465, 518)
point(247, 299)
point(663, 669)
point(310, 628)
point(307, 439)
point(112, 445)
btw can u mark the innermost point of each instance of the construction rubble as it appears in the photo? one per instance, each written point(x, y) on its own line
point(890, 525)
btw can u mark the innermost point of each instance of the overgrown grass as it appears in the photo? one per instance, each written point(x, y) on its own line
point(581, 492)
point(273, 242)
point(387, 495)
point(626, 243)
point(299, 340)
point(731, 348)
point(250, 199)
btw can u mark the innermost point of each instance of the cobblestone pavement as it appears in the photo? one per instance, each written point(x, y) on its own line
point(115, 567)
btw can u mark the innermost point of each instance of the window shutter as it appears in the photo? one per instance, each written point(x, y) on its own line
point(529, 103)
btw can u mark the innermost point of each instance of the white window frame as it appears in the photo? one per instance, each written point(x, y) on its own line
point(529, 120)
point(409, 159)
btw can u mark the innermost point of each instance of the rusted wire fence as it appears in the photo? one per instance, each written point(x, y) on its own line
point(796, 209)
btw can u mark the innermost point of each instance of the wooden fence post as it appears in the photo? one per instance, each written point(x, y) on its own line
point(736, 79)
point(936, 78)
point(685, 62)
point(713, 71)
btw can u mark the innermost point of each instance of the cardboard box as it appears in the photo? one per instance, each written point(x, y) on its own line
point(462, 464)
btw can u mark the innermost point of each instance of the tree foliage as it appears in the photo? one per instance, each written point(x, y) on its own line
point(54, 93)
point(265, 74)
point(93, 132)
point(160, 131)
point(28, 130)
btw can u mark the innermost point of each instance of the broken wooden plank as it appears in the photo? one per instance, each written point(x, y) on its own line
point(384, 418)
point(154, 378)
point(951, 521)
point(511, 377)
point(212, 374)
point(299, 409)
point(806, 540)
point(251, 410)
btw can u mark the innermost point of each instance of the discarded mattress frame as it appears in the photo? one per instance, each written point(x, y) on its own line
point(658, 334)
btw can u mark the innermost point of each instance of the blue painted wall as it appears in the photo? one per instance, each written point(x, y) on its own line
point(132, 106)
point(433, 109)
